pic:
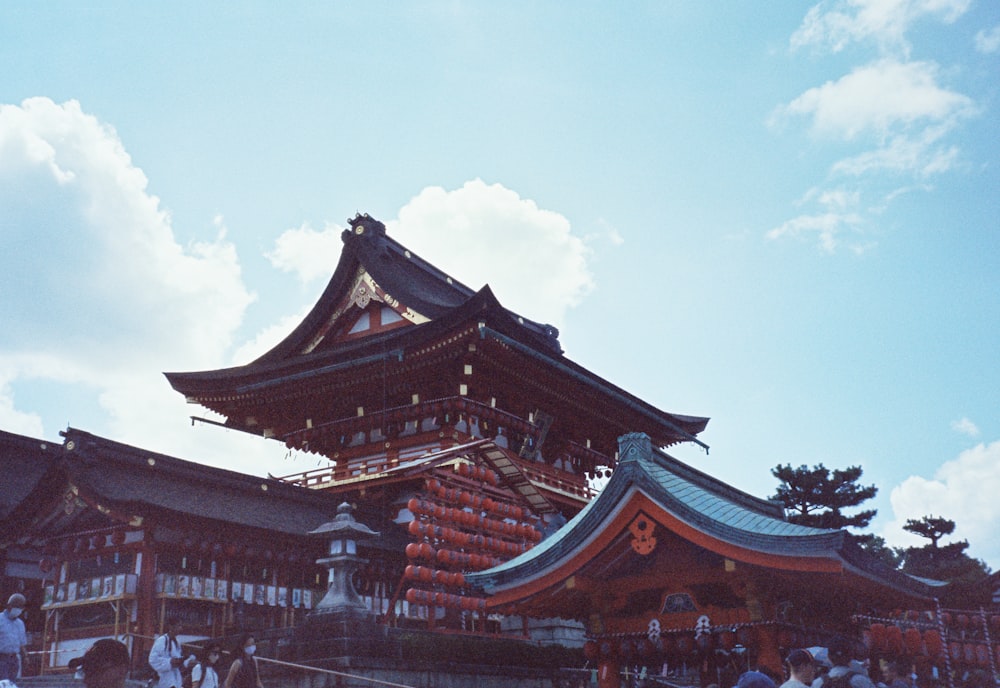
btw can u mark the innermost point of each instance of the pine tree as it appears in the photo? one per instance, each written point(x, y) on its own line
point(931, 527)
point(947, 562)
point(818, 496)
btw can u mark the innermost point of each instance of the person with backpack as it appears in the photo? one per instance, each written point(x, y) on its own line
point(844, 673)
point(204, 675)
point(165, 656)
point(801, 669)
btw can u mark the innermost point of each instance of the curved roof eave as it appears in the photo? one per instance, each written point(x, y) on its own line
point(700, 503)
point(410, 279)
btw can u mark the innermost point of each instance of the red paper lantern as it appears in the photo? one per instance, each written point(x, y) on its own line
point(627, 648)
point(591, 650)
point(933, 644)
point(894, 639)
point(609, 648)
point(983, 655)
point(913, 642)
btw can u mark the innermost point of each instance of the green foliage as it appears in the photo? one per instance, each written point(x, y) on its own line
point(818, 496)
point(931, 527)
point(967, 576)
point(875, 545)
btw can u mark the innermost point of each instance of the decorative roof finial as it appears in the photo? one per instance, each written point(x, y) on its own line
point(366, 224)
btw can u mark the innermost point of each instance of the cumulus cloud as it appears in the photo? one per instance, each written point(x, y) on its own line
point(988, 40)
point(306, 252)
point(835, 25)
point(962, 490)
point(100, 296)
point(529, 256)
point(965, 427)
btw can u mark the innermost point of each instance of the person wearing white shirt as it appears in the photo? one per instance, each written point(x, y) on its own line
point(204, 674)
point(165, 656)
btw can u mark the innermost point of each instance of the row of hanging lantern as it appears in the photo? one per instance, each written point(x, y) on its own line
point(914, 642)
point(457, 527)
point(672, 645)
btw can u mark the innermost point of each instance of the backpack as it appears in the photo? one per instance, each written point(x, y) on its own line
point(186, 681)
point(842, 681)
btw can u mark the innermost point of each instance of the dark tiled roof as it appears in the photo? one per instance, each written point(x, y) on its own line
point(25, 460)
point(408, 278)
point(140, 482)
point(709, 505)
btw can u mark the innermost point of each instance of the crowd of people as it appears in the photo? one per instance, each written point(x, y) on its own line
point(107, 663)
point(839, 669)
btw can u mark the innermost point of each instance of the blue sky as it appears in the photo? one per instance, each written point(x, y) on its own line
point(783, 216)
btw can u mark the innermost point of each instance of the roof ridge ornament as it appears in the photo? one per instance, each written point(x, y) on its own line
point(366, 224)
point(633, 446)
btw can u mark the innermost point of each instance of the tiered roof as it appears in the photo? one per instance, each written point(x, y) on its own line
point(391, 328)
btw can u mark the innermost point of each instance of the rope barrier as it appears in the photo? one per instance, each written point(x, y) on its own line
point(201, 646)
point(335, 673)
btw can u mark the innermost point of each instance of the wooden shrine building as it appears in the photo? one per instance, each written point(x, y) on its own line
point(461, 420)
point(106, 539)
point(668, 566)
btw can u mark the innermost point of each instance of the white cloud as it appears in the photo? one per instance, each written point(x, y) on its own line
point(835, 25)
point(826, 227)
point(838, 214)
point(988, 40)
point(270, 336)
point(879, 98)
point(12, 420)
point(899, 116)
point(308, 253)
point(965, 427)
point(530, 257)
point(963, 490)
point(99, 296)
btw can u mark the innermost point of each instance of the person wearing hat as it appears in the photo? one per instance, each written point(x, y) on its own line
point(755, 679)
point(104, 665)
point(13, 637)
point(801, 669)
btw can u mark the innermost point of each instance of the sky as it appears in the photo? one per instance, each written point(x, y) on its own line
point(782, 216)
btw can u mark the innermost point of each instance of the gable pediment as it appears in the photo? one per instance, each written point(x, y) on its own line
point(366, 309)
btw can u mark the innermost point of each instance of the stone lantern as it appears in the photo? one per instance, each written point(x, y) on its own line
point(343, 533)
